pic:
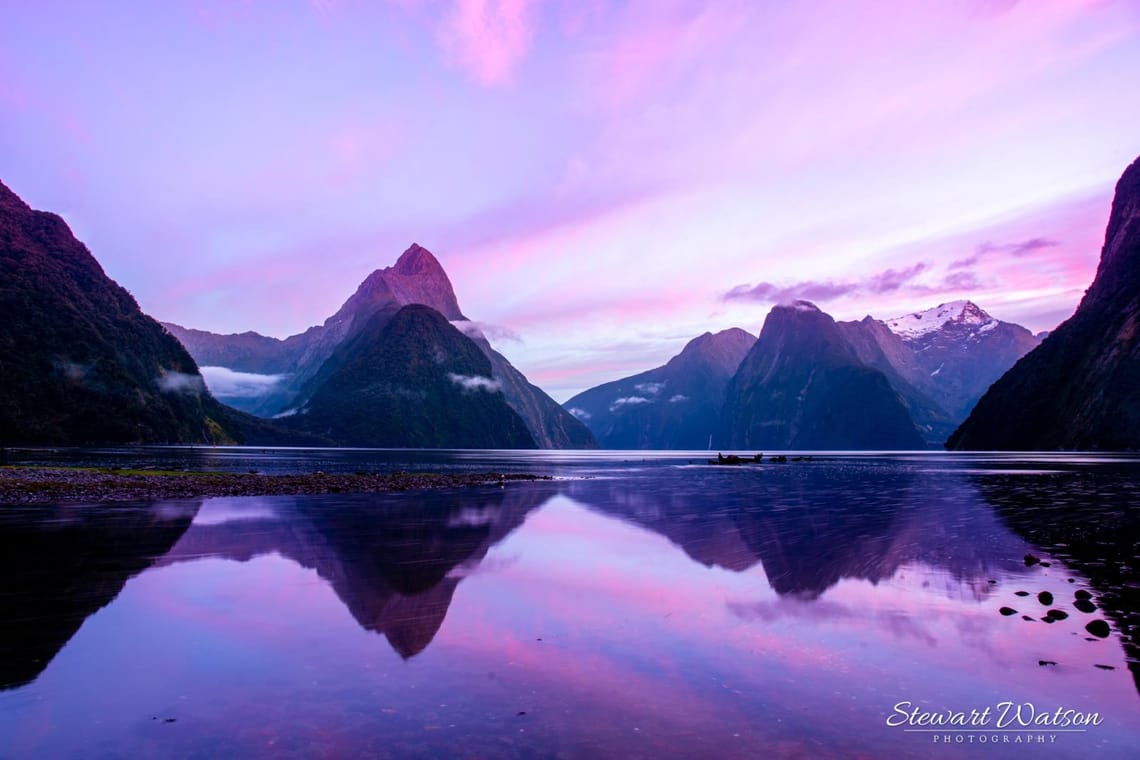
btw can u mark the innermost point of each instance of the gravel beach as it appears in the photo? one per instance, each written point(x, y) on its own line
point(53, 485)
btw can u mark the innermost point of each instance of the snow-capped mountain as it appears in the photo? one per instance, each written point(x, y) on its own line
point(950, 354)
point(960, 313)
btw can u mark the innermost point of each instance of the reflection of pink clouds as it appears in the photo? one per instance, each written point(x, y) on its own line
point(641, 655)
point(211, 598)
point(624, 585)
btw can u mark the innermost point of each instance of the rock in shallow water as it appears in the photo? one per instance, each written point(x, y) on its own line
point(1098, 628)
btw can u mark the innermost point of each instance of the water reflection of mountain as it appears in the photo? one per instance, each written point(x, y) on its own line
point(1090, 519)
point(394, 560)
point(811, 526)
point(59, 565)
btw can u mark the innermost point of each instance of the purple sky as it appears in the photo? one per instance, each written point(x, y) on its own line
point(595, 177)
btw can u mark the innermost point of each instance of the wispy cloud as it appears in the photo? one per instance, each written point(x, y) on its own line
point(618, 403)
point(1024, 248)
point(180, 382)
point(475, 383)
point(651, 389)
point(887, 281)
point(489, 38)
point(581, 414)
point(491, 332)
point(227, 383)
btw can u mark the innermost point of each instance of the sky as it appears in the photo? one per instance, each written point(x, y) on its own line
point(601, 181)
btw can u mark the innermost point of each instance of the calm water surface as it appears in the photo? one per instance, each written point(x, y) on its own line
point(639, 605)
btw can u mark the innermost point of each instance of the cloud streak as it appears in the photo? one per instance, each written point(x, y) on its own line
point(486, 330)
point(625, 401)
point(473, 383)
point(885, 282)
point(1017, 250)
point(488, 38)
point(180, 382)
point(227, 383)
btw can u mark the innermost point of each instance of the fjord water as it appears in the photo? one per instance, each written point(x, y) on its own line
point(638, 605)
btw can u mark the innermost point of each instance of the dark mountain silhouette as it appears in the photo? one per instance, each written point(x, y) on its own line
point(416, 278)
point(79, 361)
point(60, 565)
point(1080, 389)
point(802, 386)
point(410, 379)
point(675, 406)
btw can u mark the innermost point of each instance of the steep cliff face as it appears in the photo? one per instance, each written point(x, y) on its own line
point(802, 386)
point(79, 360)
point(675, 406)
point(551, 426)
point(1080, 389)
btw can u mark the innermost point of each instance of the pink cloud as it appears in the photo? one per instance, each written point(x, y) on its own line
point(489, 38)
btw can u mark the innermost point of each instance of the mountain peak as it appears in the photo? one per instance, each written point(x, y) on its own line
point(417, 277)
point(921, 323)
point(416, 260)
point(724, 349)
point(1123, 234)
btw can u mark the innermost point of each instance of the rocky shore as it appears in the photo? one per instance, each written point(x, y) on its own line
point(54, 485)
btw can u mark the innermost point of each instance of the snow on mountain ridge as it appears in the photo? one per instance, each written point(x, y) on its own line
point(921, 323)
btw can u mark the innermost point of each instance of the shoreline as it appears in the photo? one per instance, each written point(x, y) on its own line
point(22, 484)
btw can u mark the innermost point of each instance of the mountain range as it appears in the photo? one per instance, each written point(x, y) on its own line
point(338, 379)
point(810, 382)
point(399, 364)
